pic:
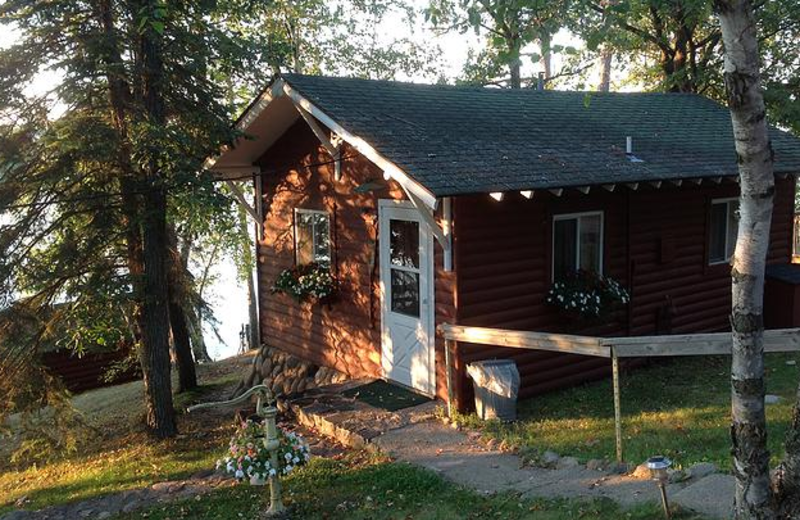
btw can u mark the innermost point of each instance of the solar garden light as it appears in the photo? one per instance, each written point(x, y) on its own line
point(658, 467)
point(268, 414)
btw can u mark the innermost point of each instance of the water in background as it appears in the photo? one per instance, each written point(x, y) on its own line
point(228, 298)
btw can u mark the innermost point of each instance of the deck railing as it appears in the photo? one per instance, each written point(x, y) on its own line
point(782, 340)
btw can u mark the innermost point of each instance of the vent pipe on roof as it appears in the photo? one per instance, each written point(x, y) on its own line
point(629, 150)
point(540, 82)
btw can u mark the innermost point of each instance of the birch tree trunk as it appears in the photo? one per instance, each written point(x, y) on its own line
point(606, 57)
point(547, 55)
point(746, 102)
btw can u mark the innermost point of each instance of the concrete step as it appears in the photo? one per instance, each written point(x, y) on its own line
point(711, 496)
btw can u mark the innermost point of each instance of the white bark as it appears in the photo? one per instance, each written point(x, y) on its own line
point(606, 57)
point(746, 102)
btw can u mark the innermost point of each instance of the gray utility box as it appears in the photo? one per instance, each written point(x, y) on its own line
point(496, 384)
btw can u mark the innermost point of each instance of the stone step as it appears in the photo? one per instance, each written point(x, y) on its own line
point(711, 496)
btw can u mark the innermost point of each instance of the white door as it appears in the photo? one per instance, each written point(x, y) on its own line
point(406, 266)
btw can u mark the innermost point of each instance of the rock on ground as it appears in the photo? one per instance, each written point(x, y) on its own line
point(703, 469)
point(711, 496)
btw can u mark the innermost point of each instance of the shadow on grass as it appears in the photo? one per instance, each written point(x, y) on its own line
point(361, 487)
point(679, 408)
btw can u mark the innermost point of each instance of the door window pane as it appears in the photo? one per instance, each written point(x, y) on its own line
point(404, 243)
point(405, 293)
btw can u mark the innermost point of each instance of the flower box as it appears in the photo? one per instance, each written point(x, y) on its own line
point(587, 296)
point(307, 282)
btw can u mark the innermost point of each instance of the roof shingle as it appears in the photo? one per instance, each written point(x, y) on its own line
point(460, 140)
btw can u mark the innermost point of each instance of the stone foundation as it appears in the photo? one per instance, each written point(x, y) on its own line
point(285, 374)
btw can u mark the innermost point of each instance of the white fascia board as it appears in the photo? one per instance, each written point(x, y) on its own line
point(245, 171)
point(388, 167)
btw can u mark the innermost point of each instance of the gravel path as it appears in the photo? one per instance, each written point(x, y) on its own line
point(463, 459)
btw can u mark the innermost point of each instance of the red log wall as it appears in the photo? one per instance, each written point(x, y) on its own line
point(654, 244)
point(87, 372)
point(346, 334)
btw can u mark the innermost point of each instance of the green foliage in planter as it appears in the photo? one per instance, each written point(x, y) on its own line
point(306, 282)
point(587, 294)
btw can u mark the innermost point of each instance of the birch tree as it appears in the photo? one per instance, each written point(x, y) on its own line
point(754, 152)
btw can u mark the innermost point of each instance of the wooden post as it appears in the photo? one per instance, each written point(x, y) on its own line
point(448, 362)
point(617, 405)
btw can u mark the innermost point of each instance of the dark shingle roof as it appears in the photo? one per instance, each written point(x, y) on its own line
point(459, 140)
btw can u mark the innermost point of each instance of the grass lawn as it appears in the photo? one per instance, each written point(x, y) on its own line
point(361, 487)
point(679, 408)
point(118, 455)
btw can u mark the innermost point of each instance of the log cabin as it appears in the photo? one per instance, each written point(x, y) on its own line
point(435, 204)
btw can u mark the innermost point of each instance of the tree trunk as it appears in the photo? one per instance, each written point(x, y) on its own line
point(190, 305)
point(155, 334)
point(248, 262)
point(147, 277)
point(187, 376)
point(252, 307)
point(516, 75)
point(547, 56)
point(195, 325)
point(178, 296)
point(746, 102)
point(155, 345)
point(606, 57)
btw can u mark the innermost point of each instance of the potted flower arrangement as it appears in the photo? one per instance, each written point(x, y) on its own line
point(587, 295)
point(249, 460)
point(308, 282)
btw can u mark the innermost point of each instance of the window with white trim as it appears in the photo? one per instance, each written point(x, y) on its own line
point(312, 236)
point(723, 230)
point(577, 243)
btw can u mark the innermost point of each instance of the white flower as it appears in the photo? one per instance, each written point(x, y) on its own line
point(287, 456)
point(272, 473)
point(295, 460)
point(239, 473)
